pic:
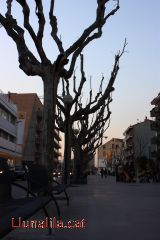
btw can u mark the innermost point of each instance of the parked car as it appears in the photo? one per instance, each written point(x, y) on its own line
point(19, 172)
point(11, 171)
point(57, 174)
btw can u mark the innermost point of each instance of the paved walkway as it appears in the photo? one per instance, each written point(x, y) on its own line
point(113, 211)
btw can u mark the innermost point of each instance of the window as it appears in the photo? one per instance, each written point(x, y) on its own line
point(3, 134)
point(12, 119)
point(11, 138)
point(4, 113)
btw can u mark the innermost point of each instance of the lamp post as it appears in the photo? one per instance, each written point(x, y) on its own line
point(76, 165)
point(67, 100)
point(17, 138)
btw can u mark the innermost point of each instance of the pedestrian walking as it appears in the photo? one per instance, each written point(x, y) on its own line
point(102, 172)
point(120, 173)
point(105, 173)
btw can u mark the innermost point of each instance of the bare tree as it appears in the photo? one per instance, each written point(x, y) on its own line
point(86, 137)
point(90, 120)
point(90, 138)
point(50, 71)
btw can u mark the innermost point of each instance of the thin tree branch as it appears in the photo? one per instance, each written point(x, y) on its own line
point(37, 39)
point(91, 109)
point(89, 35)
point(53, 23)
point(28, 62)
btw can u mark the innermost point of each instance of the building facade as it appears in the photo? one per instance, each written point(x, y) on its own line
point(110, 152)
point(9, 147)
point(155, 126)
point(137, 141)
point(30, 114)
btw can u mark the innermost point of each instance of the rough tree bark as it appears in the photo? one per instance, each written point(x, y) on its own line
point(50, 72)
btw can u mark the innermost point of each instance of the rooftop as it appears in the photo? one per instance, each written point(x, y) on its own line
point(156, 100)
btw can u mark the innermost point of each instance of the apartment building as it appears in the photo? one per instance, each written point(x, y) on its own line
point(110, 152)
point(137, 141)
point(9, 147)
point(129, 143)
point(30, 113)
point(155, 126)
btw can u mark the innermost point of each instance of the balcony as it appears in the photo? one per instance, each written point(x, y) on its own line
point(129, 157)
point(37, 140)
point(39, 115)
point(37, 154)
point(158, 154)
point(7, 126)
point(128, 137)
point(39, 127)
point(129, 151)
point(155, 112)
point(10, 147)
point(155, 154)
point(57, 153)
point(57, 135)
point(8, 104)
point(129, 147)
point(57, 144)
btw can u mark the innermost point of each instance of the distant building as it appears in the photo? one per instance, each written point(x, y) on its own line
point(9, 147)
point(155, 126)
point(30, 113)
point(110, 152)
point(138, 141)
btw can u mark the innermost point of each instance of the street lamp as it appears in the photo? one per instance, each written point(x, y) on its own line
point(76, 161)
point(17, 138)
point(67, 100)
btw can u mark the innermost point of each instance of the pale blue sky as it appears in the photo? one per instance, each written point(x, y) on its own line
point(138, 80)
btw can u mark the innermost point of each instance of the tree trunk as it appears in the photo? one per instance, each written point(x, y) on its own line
point(79, 176)
point(67, 145)
point(50, 94)
point(77, 158)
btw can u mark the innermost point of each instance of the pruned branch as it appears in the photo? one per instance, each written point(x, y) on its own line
point(41, 17)
point(83, 80)
point(37, 39)
point(89, 34)
point(89, 109)
point(53, 23)
point(28, 62)
point(14, 30)
point(9, 7)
